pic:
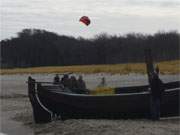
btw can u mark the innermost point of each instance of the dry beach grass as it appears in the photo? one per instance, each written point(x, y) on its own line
point(168, 67)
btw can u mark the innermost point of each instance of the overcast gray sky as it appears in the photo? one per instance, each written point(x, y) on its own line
point(110, 16)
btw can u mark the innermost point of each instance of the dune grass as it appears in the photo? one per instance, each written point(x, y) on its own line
point(168, 67)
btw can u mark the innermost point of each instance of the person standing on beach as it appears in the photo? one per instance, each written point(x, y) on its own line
point(156, 95)
point(103, 82)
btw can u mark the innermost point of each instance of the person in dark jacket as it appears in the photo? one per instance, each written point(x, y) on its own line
point(56, 79)
point(73, 83)
point(81, 83)
point(65, 81)
point(156, 95)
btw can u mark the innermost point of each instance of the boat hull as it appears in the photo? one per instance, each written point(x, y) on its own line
point(126, 105)
point(50, 101)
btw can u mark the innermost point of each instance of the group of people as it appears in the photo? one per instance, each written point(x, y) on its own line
point(70, 82)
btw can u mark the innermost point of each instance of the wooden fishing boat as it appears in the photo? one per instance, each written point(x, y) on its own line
point(50, 101)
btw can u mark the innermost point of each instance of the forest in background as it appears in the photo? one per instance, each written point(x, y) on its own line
point(35, 48)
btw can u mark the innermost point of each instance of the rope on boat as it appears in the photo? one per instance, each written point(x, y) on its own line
point(51, 113)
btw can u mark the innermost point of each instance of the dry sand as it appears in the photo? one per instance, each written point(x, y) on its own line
point(16, 112)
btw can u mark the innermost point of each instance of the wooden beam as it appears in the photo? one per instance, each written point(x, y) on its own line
point(149, 62)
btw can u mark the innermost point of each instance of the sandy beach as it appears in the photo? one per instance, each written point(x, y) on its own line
point(16, 112)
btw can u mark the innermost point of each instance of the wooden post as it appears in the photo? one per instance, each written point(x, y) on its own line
point(31, 86)
point(149, 63)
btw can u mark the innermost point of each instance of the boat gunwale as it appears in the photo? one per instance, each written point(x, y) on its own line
point(107, 95)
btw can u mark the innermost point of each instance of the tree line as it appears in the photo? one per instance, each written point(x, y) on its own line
point(35, 47)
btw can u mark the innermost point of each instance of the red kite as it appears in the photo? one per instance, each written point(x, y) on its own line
point(85, 20)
